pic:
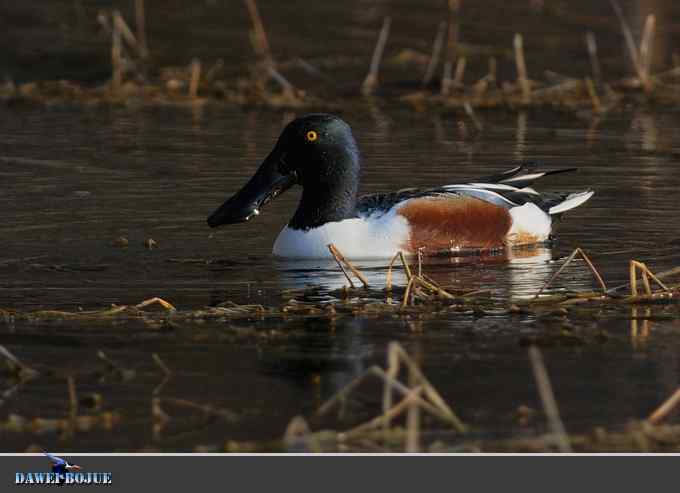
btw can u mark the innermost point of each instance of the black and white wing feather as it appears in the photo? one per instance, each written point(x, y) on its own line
point(509, 189)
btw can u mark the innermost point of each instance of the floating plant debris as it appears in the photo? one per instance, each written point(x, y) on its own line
point(266, 85)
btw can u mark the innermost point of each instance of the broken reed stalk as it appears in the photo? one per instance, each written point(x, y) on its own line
point(413, 280)
point(72, 397)
point(421, 279)
point(644, 332)
point(633, 278)
point(459, 73)
point(17, 366)
point(195, 78)
point(260, 41)
point(594, 98)
point(8, 393)
point(446, 79)
point(471, 114)
point(392, 373)
point(548, 399)
point(451, 45)
point(114, 311)
point(665, 409)
point(591, 43)
point(13, 360)
point(520, 64)
point(407, 292)
point(73, 404)
point(661, 275)
point(263, 52)
point(646, 44)
point(436, 54)
point(593, 270)
point(413, 415)
point(159, 418)
point(396, 354)
point(311, 69)
point(493, 69)
point(140, 21)
point(645, 275)
point(286, 86)
point(161, 364)
point(406, 266)
point(571, 257)
point(115, 369)
point(342, 267)
point(371, 81)
point(207, 409)
point(480, 87)
point(388, 280)
point(430, 284)
point(340, 258)
point(167, 374)
point(155, 301)
point(126, 32)
point(392, 383)
point(628, 36)
point(391, 413)
point(116, 54)
point(431, 401)
point(344, 393)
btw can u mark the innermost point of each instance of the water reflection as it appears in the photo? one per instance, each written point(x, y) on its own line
point(296, 274)
point(521, 136)
point(644, 125)
point(640, 326)
point(513, 273)
point(156, 175)
point(317, 353)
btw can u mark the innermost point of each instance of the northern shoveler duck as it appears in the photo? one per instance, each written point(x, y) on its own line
point(61, 466)
point(319, 153)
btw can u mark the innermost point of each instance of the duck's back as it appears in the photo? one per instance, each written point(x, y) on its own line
point(493, 213)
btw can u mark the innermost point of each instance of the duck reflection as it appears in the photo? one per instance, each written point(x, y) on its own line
point(318, 354)
point(329, 353)
point(510, 273)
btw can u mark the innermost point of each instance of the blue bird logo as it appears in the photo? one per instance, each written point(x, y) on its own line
point(60, 465)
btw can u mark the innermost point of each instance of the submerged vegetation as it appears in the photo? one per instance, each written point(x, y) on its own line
point(413, 416)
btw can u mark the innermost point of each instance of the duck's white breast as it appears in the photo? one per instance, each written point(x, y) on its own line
point(357, 238)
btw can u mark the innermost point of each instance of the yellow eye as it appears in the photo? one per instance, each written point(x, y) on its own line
point(312, 136)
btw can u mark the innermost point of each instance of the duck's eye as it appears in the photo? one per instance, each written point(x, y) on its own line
point(312, 136)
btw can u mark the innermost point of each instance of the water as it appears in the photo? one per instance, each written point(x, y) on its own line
point(82, 179)
point(74, 180)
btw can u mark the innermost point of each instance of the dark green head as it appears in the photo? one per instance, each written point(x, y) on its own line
point(318, 152)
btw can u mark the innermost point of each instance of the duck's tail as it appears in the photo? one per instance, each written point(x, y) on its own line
point(570, 201)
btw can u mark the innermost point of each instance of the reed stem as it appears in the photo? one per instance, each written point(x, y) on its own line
point(520, 63)
point(371, 81)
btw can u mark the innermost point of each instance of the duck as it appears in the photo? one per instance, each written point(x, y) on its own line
point(319, 153)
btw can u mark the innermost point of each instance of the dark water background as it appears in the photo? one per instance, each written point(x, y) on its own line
point(73, 180)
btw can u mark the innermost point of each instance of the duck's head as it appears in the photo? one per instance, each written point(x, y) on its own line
point(316, 151)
